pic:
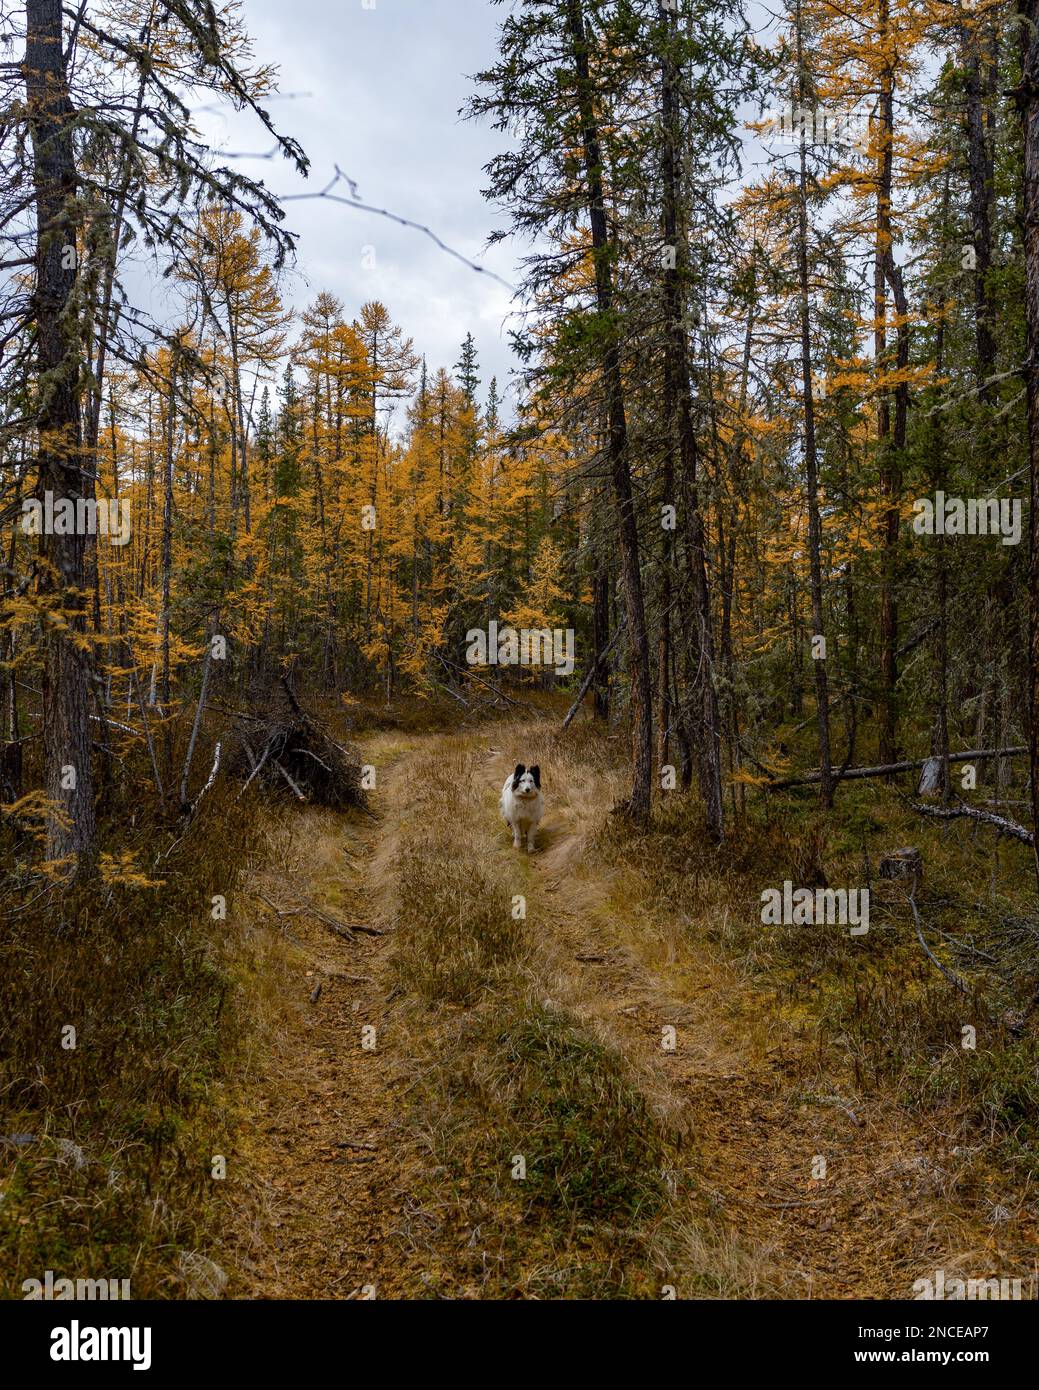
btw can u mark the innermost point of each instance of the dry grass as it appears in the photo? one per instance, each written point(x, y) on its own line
point(498, 1072)
point(106, 1147)
point(540, 1035)
point(796, 1024)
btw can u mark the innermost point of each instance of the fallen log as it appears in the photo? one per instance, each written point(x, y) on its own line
point(971, 755)
point(1004, 825)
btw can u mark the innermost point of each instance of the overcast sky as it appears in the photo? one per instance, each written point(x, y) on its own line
point(384, 88)
point(375, 87)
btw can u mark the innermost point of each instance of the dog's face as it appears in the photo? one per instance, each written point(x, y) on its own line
point(526, 781)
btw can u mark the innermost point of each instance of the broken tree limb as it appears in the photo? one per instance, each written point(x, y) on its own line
point(971, 755)
point(953, 979)
point(453, 693)
point(339, 927)
point(307, 909)
point(1001, 823)
point(114, 723)
point(593, 671)
point(288, 779)
point(585, 686)
point(209, 781)
point(306, 753)
point(199, 711)
point(257, 766)
point(471, 675)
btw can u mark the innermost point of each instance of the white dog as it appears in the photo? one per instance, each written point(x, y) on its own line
point(522, 804)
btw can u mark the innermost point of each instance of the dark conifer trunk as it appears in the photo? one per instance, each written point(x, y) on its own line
point(64, 560)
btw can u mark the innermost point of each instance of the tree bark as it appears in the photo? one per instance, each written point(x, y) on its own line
point(679, 417)
point(822, 692)
point(68, 776)
point(979, 175)
point(640, 687)
point(1028, 101)
point(887, 448)
point(601, 622)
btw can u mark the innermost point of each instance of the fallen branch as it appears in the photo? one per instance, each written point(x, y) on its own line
point(196, 725)
point(593, 671)
point(972, 755)
point(209, 781)
point(125, 728)
point(841, 1104)
point(238, 713)
point(453, 693)
point(340, 928)
point(288, 779)
point(257, 766)
point(471, 675)
point(953, 979)
point(298, 751)
point(307, 909)
point(1010, 1019)
point(1001, 823)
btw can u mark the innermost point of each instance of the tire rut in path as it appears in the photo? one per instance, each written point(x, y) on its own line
point(751, 1107)
point(320, 1141)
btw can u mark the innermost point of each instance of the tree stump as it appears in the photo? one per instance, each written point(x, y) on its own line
point(902, 863)
point(931, 778)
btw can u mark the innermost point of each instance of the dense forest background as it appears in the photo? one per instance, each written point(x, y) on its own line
point(776, 290)
point(735, 392)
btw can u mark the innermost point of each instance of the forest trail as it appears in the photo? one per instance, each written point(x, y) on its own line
point(326, 1203)
point(338, 1166)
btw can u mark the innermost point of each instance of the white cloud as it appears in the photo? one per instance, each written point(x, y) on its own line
point(385, 86)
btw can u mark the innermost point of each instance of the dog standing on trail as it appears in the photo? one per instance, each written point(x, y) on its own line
point(522, 804)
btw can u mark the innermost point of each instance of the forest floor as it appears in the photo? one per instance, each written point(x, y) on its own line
point(623, 1091)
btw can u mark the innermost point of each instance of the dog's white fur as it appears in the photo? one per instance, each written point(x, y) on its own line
point(522, 806)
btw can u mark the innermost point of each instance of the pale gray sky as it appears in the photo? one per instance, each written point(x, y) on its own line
point(385, 84)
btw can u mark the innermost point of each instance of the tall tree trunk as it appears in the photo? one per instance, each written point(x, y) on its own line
point(68, 776)
point(167, 531)
point(11, 764)
point(667, 554)
point(679, 418)
point(890, 482)
point(822, 692)
point(640, 691)
point(601, 620)
point(979, 174)
point(1028, 100)
point(938, 477)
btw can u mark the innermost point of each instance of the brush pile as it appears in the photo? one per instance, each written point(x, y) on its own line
point(289, 750)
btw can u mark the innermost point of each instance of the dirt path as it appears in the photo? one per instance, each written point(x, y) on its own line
point(805, 1194)
point(327, 1198)
point(821, 1195)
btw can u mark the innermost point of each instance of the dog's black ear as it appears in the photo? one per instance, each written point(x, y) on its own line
point(535, 772)
point(520, 770)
